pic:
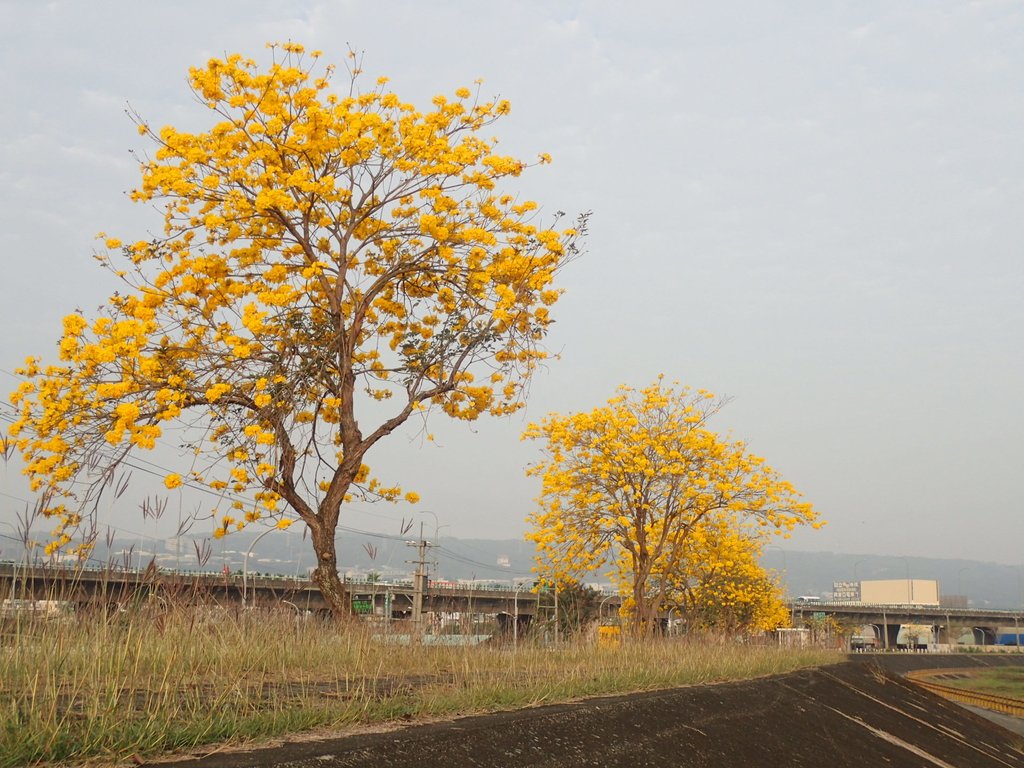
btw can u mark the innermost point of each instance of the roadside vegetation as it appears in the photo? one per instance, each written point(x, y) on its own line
point(330, 264)
point(118, 685)
point(325, 258)
point(999, 681)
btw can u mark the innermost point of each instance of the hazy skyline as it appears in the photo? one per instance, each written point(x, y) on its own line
point(814, 209)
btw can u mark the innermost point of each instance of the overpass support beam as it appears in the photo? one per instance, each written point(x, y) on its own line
point(984, 635)
point(891, 633)
point(507, 623)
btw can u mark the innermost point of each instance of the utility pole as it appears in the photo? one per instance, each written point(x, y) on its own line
point(419, 580)
point(556, 612)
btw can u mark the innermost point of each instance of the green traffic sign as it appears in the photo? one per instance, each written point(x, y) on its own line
point(362, 606)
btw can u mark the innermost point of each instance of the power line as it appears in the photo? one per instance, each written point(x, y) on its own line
point(161, 471)
point(469, 561)
point(16, 498)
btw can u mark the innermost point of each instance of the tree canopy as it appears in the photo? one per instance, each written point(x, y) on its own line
point(329, 265)
point(638, 482)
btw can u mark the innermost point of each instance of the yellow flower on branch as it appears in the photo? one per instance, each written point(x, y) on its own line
point(644, 485)
point(282, 313)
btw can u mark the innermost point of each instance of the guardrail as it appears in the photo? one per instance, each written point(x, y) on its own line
point(1003, 704)
point(115, 572)
point(901, 608)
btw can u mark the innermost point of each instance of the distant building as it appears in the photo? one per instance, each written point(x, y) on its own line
point(846, 591)
point(888, 592)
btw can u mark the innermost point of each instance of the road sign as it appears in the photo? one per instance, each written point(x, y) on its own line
point(362, 606)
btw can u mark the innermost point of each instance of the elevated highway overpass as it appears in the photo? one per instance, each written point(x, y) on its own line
point(113, 586)
point(887, 619)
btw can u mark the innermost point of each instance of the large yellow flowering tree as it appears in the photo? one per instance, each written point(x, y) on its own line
point(329, 265)
point(632, 482)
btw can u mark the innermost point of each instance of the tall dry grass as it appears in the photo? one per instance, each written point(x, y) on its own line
point(112, 685)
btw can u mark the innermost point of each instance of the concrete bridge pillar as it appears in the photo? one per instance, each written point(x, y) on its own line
point(507, 622)
point(890, 634)
point(984, 635)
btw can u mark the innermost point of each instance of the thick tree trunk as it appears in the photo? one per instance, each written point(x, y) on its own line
point(643, 625)
point(326, 572)
point(644, 615)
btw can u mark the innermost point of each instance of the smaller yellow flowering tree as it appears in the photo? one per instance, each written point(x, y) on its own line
point(329, 265)
point(722, 586)
point(631, 483)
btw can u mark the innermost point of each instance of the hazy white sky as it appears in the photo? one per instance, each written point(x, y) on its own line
point(815, 208)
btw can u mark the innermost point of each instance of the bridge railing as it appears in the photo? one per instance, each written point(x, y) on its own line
point(8, 568)
point(845, 605)
point(70, 574)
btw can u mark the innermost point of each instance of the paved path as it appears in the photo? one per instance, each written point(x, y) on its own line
point(851, 714)
point(1009, 722)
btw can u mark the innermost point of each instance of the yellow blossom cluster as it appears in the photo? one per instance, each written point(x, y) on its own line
point(371, 217)
point(634, 482)
point(319, 251)
point(720, 584)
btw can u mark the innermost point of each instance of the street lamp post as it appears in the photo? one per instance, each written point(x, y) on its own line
point(437, 523)
point(515, 614)
point(21, 536)
point(1020, 588)
point(245, 564)
point(298, 612)
point(959, 583)
point(910, 583)
point(785, 578)
point(856, 580)
point(556, 611)
point(784, 568)
point(600, 608)
point(422, 576)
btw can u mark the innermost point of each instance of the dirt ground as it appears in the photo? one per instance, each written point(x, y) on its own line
point(852, 714)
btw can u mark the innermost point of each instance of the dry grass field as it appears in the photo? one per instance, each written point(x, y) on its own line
point(152, 680)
